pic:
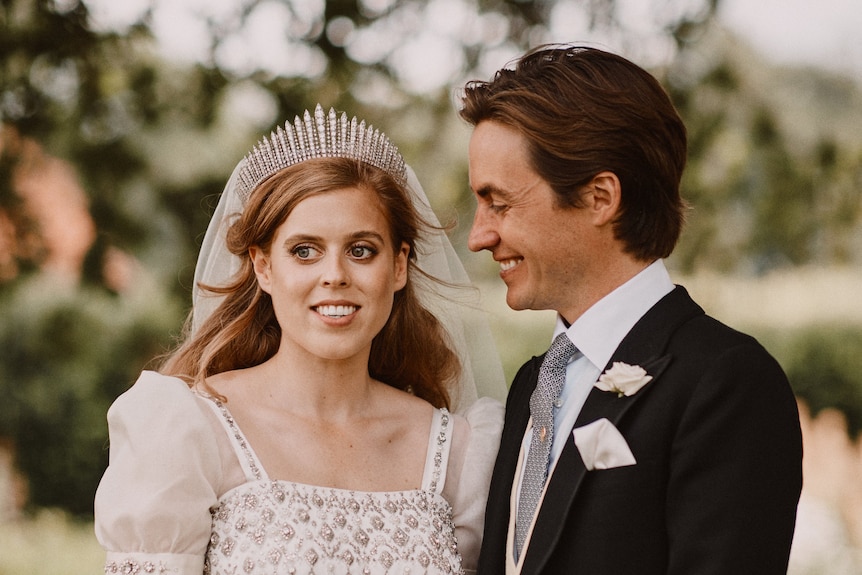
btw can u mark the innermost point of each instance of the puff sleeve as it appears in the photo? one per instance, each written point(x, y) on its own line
point(471, 462)
point(152, 505)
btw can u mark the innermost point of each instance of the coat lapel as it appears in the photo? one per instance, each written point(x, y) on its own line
point(643, 346)
point(606, 404)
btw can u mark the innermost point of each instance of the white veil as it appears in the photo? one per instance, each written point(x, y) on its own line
point(458, 307)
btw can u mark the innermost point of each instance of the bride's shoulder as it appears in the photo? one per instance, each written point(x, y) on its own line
point(152, 384)
point(477, 430)
point(410, 408)
point(475, 442)
point(156, 394)
point(484, 416)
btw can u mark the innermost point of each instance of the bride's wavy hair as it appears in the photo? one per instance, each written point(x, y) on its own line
point(412, 352)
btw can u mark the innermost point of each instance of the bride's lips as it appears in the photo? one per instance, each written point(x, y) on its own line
point(335, 310)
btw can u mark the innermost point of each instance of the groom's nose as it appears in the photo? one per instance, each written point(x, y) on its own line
point(483, 234)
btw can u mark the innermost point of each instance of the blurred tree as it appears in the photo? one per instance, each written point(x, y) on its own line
point(66, 354)
point(770, 187)
point(823, 365)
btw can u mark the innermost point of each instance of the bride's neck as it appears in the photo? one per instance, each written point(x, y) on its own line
point(317, 386)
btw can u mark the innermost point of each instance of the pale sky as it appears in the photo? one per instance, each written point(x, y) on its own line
point(826, 33)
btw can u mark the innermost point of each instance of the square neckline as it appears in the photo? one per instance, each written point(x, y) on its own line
point(434, 470)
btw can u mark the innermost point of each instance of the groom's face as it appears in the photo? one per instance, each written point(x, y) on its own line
point(543, 249)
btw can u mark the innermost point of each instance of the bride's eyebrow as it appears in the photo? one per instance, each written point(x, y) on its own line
point(299, 238)
point(367, 235)
point(358, 235)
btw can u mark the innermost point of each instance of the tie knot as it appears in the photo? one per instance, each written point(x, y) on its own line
point(560, 351)
point(552, 373)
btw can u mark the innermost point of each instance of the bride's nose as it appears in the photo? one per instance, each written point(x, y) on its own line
point(335, 272)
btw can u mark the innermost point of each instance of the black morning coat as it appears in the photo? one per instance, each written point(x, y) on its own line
point(718, 446)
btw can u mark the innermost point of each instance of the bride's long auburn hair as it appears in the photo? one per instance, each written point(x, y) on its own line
point(412, 352)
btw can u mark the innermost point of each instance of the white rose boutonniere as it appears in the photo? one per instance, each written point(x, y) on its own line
point(623, 379)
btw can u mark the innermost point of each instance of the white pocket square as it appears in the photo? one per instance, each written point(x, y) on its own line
point(602, 446)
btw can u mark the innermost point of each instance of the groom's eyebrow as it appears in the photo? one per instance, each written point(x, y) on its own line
point(483, 192)
point(488, 189)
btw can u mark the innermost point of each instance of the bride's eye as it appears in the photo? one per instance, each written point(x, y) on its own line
point(362, 252)
point(303, 252)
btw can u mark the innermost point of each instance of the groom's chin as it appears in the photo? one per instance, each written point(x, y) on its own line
point(518, 301)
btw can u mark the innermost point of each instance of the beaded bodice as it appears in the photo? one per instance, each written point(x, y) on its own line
point(274, 527)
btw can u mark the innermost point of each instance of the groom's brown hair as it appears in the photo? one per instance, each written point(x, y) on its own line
point(584, 111)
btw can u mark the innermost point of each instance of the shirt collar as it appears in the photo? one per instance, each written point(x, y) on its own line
point(600, 330)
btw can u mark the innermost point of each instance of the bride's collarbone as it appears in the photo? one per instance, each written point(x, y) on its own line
point(363, 455)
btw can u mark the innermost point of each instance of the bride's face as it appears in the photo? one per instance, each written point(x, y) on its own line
point(332, 273)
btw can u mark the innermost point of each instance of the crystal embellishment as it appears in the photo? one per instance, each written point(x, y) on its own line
point(134, 567)
point(269, 526)
point(324, 136)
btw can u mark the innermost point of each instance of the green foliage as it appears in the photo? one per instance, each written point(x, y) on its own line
point(64, 356)
point(824, 366)
point(767, 190)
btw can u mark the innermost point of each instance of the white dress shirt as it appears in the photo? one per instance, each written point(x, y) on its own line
point(597, 334)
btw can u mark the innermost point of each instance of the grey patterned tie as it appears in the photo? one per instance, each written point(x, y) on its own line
point(552, 375)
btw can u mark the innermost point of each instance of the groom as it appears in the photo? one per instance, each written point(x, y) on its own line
point(650, 439)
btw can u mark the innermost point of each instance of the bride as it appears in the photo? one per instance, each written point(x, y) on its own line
point(324, 413)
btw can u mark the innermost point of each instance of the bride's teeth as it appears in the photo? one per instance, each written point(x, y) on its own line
point(336, 310)
point(508, 264)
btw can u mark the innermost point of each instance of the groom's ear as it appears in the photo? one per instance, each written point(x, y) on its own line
point(603, 197)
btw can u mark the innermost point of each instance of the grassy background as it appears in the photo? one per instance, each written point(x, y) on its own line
point(49, 544)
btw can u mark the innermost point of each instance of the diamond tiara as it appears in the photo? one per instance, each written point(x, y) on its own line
point(324, 136)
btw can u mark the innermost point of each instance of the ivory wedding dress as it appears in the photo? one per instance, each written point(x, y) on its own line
point(185, 493)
